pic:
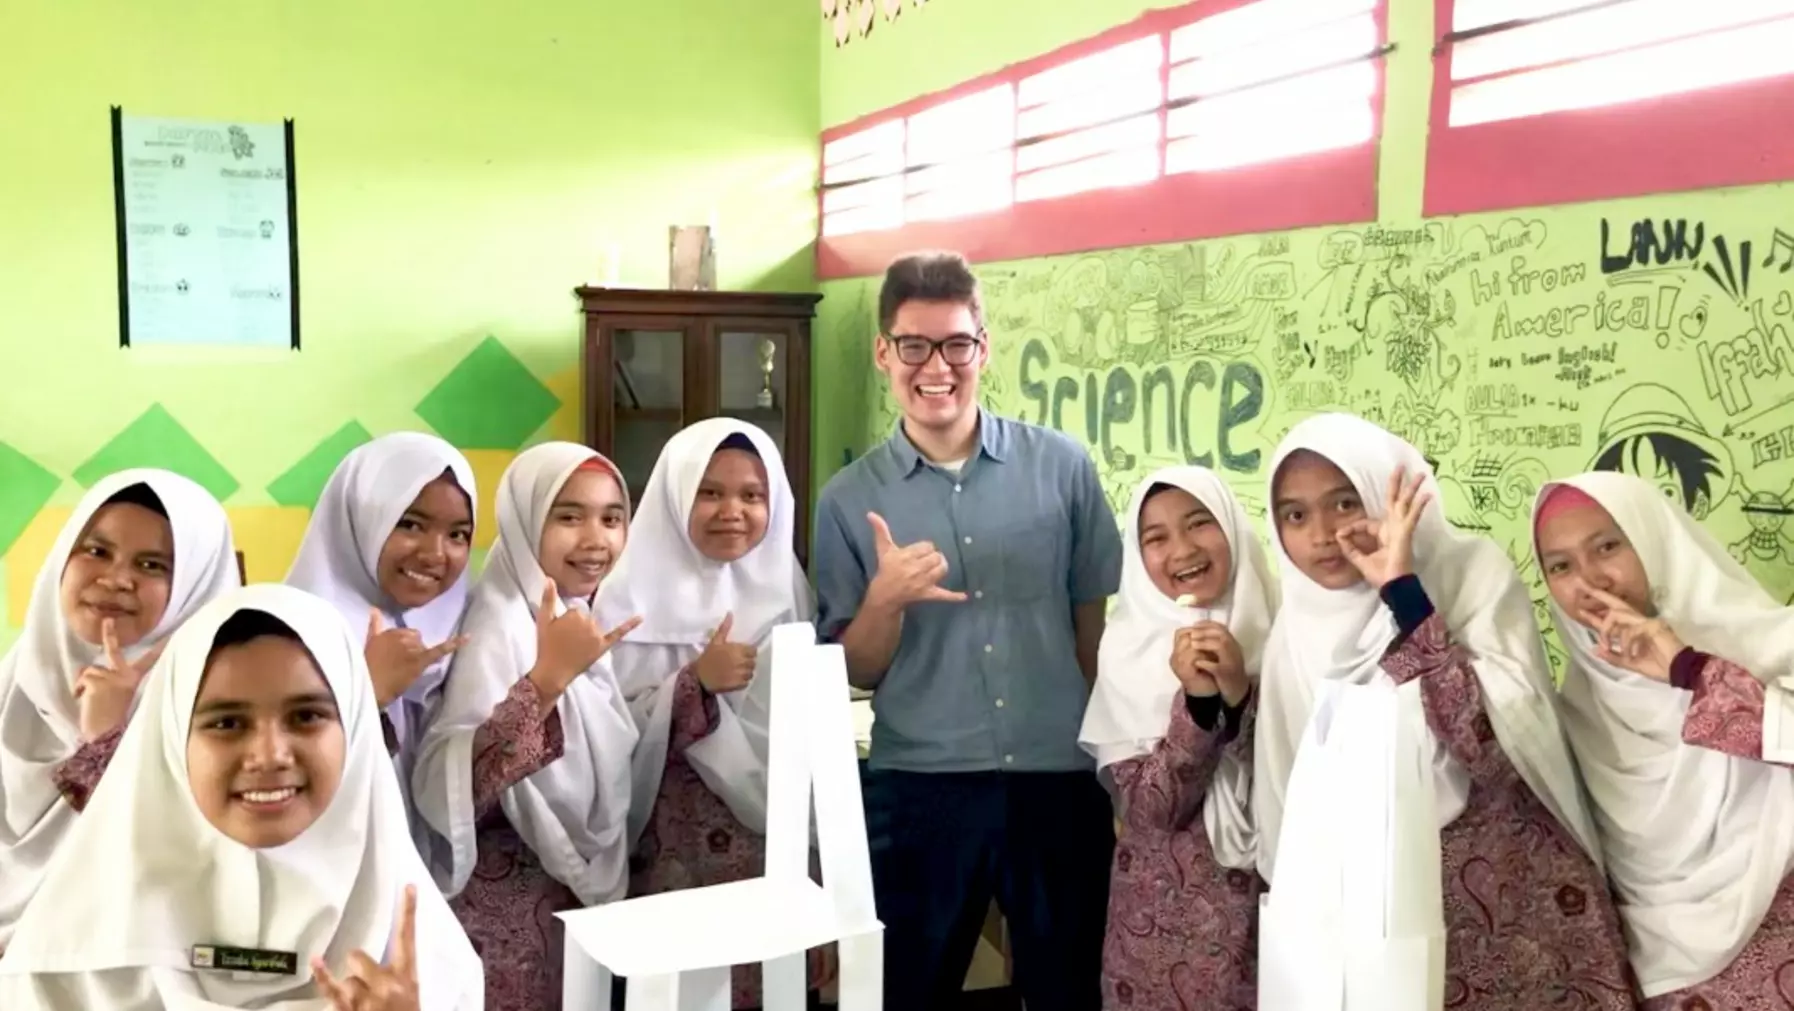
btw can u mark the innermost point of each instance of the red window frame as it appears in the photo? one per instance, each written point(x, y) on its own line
point(1324, 188)
point(1719, 136)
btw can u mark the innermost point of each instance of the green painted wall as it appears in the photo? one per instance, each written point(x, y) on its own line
point(1498, 343)
point(461, 168)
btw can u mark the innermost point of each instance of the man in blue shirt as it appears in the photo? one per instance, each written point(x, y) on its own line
point(964, 565)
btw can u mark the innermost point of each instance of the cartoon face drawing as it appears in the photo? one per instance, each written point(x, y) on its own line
point(1680, 468)
point(1650, 431)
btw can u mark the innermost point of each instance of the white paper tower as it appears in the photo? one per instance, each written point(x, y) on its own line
point(677, 949)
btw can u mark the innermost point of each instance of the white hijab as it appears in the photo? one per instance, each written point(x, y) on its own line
point(681, 595)
point(339, 556)
point(1697, 841)
point(39, 718)
point(1342, 635)
point(1130, 707)
point(574, 812)
point(331, 891)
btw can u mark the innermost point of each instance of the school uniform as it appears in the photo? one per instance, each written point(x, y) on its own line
point(338, 559)
point(47, 771)
point(1528, 920)
point(699, 784)
point(1183, 894)
point(533, 810)
point(1689, 780)
point(145, 893)
point(977, 786)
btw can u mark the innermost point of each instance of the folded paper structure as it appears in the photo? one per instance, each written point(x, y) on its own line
point(677, 949)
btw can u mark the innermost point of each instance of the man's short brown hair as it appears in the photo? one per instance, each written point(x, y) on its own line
point(928, 277)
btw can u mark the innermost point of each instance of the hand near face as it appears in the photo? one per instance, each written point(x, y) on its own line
point(725, 666)
point(1187, 664)
point(567, 645)
point(1383, 550)
point(397, 657)
point(906, 575)
point(1645, 646)
point(1218, 657)
point(370, 986)
point(104, 692)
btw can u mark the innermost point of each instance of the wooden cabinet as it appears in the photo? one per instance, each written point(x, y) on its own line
point(656, 361)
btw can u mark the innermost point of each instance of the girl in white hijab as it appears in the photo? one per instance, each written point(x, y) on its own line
point(387, 545)
point(1170, 726)
point(710, 569)
point(248, 833)
point(143, 550)
point(1377, 585)
point(525, 767)
point(1677, 699)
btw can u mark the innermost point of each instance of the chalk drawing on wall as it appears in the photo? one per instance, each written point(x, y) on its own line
point(1767, 547)
point(850, 18)
point(1651, 432)
point(1509, 349)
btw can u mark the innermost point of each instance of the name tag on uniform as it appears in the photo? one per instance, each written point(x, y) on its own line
point(219, 957)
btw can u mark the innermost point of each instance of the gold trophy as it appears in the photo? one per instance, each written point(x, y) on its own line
point(767, 350)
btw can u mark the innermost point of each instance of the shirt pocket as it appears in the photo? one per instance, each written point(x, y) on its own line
point(1032, 561)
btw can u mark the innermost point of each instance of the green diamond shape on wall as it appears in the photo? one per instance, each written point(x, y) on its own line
point(155, 439)
point(25, 488)
point(304, 481)
point(489, 401)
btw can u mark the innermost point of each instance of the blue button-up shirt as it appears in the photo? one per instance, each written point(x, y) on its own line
point(991, 683)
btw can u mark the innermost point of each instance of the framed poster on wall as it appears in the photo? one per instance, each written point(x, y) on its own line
point(208, 241)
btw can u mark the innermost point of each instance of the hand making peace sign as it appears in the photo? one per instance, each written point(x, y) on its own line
point(567, 645)
point(370, 986)
point(104, 692)
point(1383, 550)
point(725, 666)
point(906, 575)
point(397, 657)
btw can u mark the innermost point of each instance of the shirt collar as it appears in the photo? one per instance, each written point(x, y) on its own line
point(993, 442)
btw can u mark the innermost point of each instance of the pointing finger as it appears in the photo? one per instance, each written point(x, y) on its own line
point(612, 637)
point(545, 609)
point(376, 622)
point(1609, 599)
point(943, 594)
point(405, 948)
point(148, 660)
point(115, 657)
point(444, 648)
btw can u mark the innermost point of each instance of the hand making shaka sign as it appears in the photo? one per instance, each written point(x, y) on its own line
point(906, 575)
point(566, 645)
point(370, 986)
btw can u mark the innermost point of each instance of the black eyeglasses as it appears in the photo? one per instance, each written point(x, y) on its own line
point(956, 350)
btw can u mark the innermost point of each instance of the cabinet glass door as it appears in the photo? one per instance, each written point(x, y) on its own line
point(648, 398)
point(751, 379)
